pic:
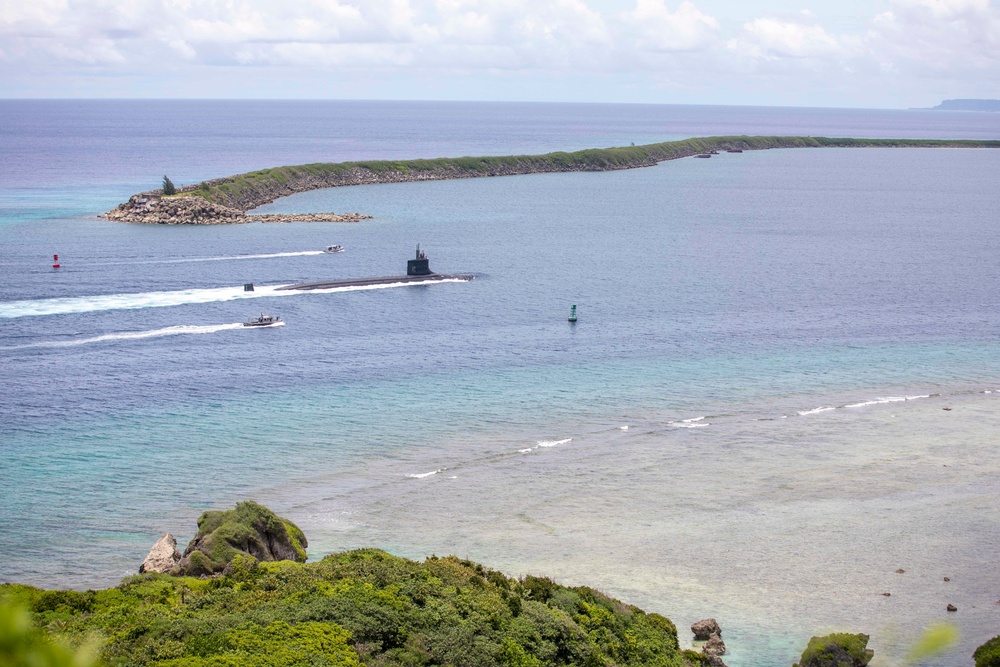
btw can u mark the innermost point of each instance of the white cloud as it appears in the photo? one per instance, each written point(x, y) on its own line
point(670, 44)
point(772, 38)
point(938, 37)
point(659, 29)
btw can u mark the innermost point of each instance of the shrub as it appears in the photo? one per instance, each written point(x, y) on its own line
point(839, 649)
point(988, 655)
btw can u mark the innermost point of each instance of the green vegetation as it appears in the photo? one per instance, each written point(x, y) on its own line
point(246, 191)
point(21, 643)
point(168, 186)
point(362, 607)
point(839, 649)
point(988, 655)
point(250, 530)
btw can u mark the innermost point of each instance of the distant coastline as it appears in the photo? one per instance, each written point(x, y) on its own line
point(968, 105)
point(226, 200)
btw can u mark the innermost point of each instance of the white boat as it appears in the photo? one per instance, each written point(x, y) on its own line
point(334, 248)
point(263, 321)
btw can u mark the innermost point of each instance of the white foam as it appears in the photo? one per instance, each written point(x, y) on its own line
point(814, 411)
point(89, 304)
point(421, 475)
point(886, 399)
point(692, 420)
point(553, 443)
point(689, 424)
point(181, 330)
point(623, 428)
point(526, 451)
point(220, 258)
point(301, 253)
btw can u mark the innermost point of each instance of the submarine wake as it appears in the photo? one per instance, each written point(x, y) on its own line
point(90, 304)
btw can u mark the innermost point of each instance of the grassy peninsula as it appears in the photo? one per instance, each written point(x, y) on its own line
point(232, 196)
point(247, 191)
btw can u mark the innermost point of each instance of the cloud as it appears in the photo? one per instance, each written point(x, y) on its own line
point(651, 44)
point(937, 37)
point(659, 29)
point(772, 38)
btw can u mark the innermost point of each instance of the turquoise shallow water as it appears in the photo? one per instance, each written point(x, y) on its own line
point(718, 300)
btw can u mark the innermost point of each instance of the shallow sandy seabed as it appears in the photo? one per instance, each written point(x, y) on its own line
point(779, 525)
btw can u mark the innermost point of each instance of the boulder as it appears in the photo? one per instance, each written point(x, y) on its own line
point(705, 628)
point(163, 557)
point(714, 646)
point(250, 529)
point(839, 649)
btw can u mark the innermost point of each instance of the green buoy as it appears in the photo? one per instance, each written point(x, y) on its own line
point(572, 313)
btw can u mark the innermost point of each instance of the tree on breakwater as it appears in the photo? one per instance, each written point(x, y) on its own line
point(168, 186)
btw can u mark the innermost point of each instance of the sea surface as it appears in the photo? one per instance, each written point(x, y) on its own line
point(783, 387)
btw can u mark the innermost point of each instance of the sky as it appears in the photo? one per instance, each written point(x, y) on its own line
point(841, 53)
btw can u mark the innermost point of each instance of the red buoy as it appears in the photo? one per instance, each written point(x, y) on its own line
point(55, 261)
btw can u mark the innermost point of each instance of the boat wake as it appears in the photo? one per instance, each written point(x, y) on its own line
point(181, 330)
point(220, 258)
point(90, 304)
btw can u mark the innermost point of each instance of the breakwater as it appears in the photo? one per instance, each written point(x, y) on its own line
point(226, 200)
point(154, 208)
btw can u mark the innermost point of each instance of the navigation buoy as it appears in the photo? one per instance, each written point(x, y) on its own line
point(55, 261)
point(572, 313)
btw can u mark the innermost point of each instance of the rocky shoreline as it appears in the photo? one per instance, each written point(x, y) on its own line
point(152, 208)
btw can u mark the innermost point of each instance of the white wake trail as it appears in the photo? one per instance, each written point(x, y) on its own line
point(180, 330)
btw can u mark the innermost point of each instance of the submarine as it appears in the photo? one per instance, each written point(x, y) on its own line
point(418, 271)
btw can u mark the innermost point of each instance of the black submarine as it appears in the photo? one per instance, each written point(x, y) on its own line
point(418, 271)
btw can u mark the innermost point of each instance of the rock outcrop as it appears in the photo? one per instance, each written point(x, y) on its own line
point(705, 628)
point(250, 529)
point(714, 645)
point(163, 557)
point(839, 649)
point(708, 630)
point(155, 209)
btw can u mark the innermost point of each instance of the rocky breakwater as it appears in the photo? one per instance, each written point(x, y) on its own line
point(152, 208)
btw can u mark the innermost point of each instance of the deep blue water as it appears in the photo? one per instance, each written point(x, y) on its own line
point(750, 285)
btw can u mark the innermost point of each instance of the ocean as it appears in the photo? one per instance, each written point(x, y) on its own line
point(782, 388)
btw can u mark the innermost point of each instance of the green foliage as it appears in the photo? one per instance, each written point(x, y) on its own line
point(168, 187)
point(988, 655)
point(24, 645)
point(839, 649)
point(358, 607)
point(250, 530)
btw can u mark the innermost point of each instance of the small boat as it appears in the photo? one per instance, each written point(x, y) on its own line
point(263, 321)
point(334, 248)
point(703, 155)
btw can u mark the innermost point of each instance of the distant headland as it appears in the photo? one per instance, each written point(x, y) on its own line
point(968, 105)
point(226, 200)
